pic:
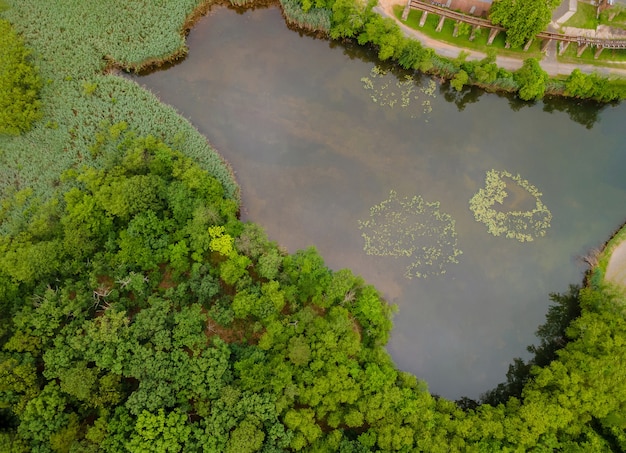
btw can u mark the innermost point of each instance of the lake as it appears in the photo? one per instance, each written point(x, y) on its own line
point(377, 170)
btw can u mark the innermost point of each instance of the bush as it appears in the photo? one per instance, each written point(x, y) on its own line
point(593, 86)
point(459, 80)
point(531, 79)
point(19, 84)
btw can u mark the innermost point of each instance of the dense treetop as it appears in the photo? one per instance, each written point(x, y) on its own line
point(139, 313)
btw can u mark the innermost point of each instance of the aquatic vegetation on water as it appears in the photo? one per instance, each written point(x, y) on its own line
point(386, 93)
point(524, 226)
point(412, 228)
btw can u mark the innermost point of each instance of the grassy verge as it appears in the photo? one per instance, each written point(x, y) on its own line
point(585, 17)
point(478, 44)
point(608, 57)
point(75, 45)
point(619, 20)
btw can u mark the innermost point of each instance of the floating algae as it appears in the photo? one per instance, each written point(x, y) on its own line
point(404, 92)
point(524, 226)
point(411, 228)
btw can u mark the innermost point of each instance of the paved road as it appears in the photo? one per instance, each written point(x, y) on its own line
point(549, 63)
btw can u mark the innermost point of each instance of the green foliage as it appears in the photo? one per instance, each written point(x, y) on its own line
point(303, 15)
point(553, 337)
point(464, 29)
point(414, 56)
point(220, 242)
point(81, 102)
point(159, 432)
point(246, 437)
point(310, 276)
point(531, 79)
point(349, 17)
point(586, 363)
point(122, 355)
point(385, 34)
point(522, 20)
point(19, 84)
point(593, 86)
point(459, 80)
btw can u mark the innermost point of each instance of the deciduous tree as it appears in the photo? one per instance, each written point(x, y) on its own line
point(522, 19)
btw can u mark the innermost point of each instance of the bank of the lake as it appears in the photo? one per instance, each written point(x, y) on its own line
point(80, 373)
point(376, 24)
point(549, 62)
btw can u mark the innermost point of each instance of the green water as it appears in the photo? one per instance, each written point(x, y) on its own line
point(317, 139)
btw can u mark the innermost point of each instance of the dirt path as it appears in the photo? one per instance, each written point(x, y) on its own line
point(549, 63)
point(616, 269)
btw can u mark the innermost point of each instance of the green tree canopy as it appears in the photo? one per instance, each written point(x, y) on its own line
point(170, 331)
point(531, 79)
point(523, 19)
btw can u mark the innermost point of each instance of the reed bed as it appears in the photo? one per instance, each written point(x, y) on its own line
point(315, 19)
point(75, 45)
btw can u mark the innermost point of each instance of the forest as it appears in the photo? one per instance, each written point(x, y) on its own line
point(140, 314)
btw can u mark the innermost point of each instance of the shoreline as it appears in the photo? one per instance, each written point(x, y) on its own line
point(152, 64)
point(549, 64)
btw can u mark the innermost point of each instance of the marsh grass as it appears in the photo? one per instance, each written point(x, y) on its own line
point(76, 46)
point(315, 19)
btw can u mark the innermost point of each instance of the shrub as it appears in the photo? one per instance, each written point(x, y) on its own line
point(532, 80)
point(19, 84)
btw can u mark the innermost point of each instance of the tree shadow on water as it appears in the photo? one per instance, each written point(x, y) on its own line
point(469, 95)
point(586, 113)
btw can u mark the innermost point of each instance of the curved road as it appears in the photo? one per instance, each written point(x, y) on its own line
point(549, 63)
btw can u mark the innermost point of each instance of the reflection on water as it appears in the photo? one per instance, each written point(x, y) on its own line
point(313, 154)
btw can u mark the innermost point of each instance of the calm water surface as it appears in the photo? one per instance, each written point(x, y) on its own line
point(313, 152)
